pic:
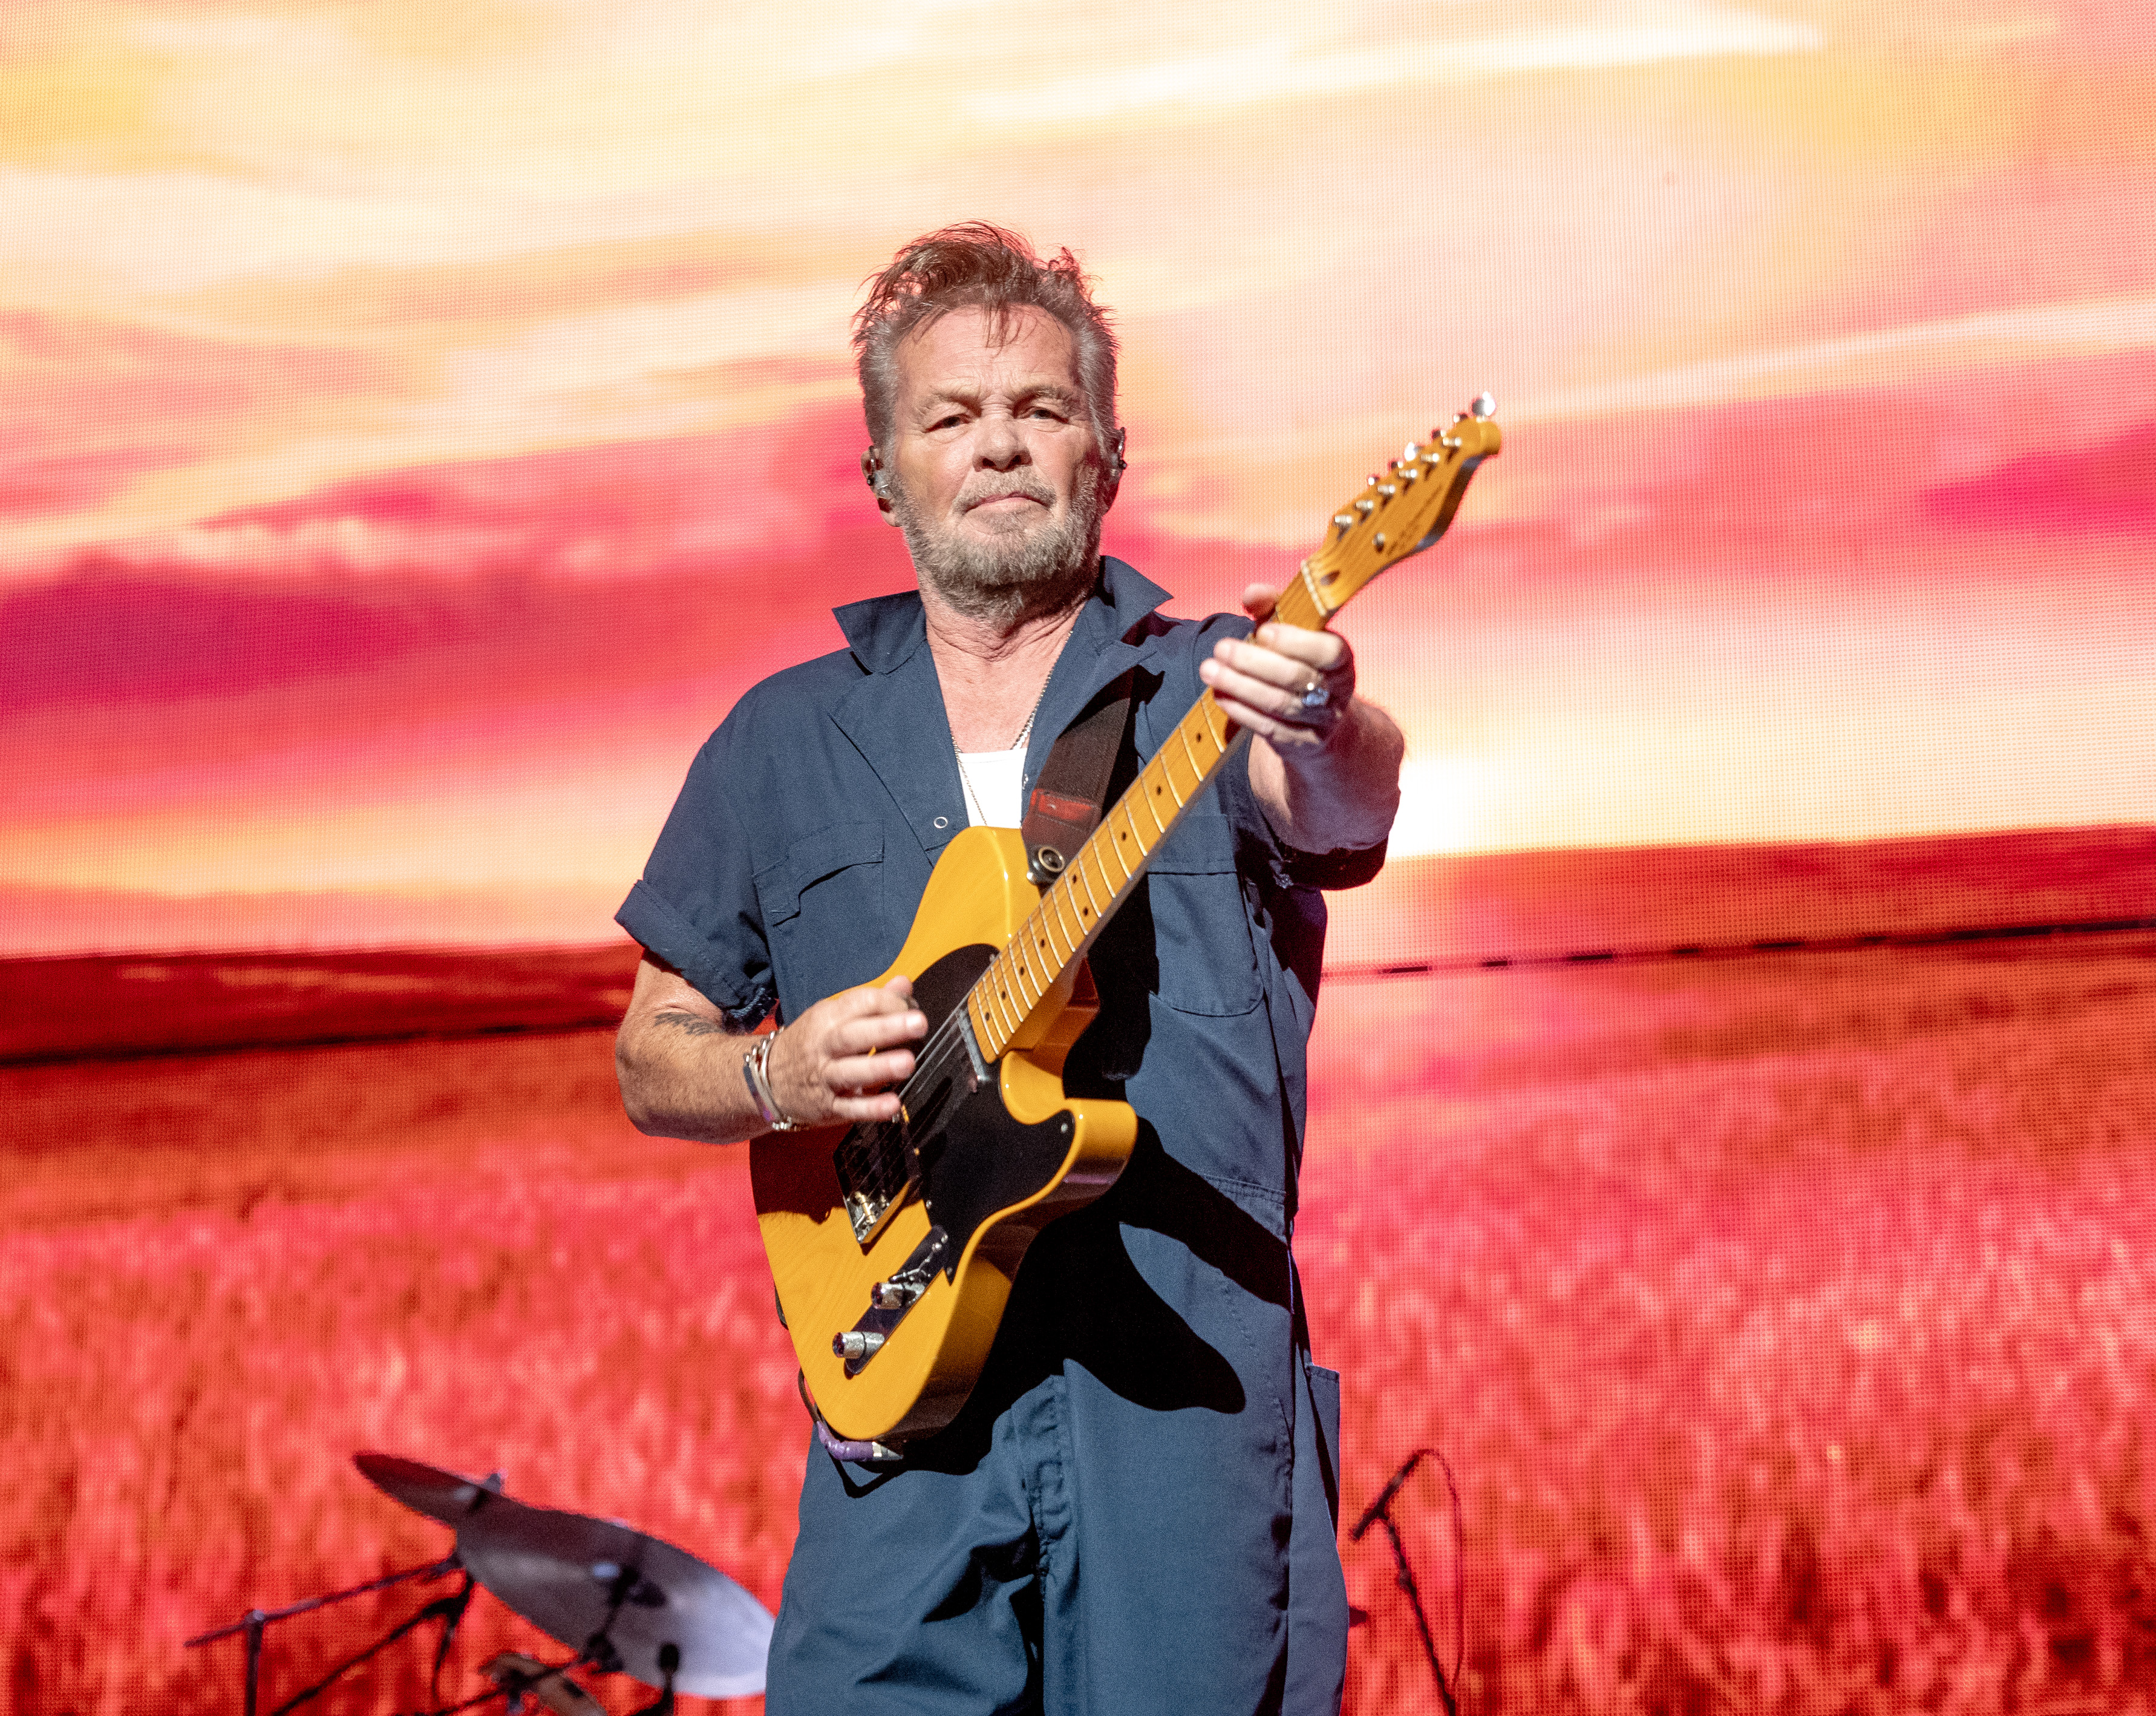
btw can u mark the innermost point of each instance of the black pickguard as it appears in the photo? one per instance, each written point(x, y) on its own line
point(970, 1157)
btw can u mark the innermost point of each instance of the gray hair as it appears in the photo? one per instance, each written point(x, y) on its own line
point(974, 264)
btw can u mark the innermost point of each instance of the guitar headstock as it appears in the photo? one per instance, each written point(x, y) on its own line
point(1404, 508)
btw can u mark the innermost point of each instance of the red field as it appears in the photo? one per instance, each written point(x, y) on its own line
point(1786, 1321)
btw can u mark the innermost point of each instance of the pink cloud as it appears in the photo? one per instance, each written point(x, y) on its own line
point(36, 483)
point(2110, 486)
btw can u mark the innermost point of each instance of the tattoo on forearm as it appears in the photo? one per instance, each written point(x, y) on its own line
point(692, 1025)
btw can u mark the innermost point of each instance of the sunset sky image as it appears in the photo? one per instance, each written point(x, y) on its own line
point(420, 419)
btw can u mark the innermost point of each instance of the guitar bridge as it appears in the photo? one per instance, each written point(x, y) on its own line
point(867, 1215)
point(873, 1175)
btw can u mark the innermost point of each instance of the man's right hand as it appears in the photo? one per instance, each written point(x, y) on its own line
point(679, 1061)
point(838, 1061)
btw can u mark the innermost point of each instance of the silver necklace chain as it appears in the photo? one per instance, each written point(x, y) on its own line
point(976, 812)
point(975, 808)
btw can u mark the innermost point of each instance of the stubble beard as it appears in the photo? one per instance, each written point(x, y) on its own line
point(1013, 576)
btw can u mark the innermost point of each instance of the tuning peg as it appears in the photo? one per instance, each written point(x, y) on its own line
point(1413, 453)
point(1485, 407)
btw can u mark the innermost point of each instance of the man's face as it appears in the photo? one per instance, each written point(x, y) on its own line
point(998, 480)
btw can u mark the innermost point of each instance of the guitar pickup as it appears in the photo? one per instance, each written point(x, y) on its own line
point(879, 1165)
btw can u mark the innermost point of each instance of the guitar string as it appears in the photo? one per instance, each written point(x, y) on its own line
point(934, 1052)
point(880, 1154)
point(876, 1152)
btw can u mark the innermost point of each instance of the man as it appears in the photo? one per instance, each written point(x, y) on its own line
point(1136, 1511)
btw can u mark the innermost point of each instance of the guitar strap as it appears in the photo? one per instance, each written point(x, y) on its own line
point(1066, 804)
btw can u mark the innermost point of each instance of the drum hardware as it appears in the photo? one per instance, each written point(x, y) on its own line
point(449, 1611)
point(522, 1679)
point(626, 1602)
point(546, 1683)
point(630, 1603)
point(256, 1621)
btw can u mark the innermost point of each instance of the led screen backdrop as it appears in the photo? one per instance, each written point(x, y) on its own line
point(420, 419)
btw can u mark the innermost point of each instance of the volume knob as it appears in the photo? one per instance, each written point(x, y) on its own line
point(855, 1343)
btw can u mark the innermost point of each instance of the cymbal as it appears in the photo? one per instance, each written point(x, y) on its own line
point(447, 1496)
point(513, 1670)
point(574, 1577)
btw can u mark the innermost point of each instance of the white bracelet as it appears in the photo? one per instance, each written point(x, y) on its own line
point(756, 1075)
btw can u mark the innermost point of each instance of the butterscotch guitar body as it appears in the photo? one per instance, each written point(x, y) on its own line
point(987, 1163)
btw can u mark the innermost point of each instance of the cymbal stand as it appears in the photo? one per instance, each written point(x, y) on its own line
point(598, 1649)
point(629, 1586)
point(670, 1659)
point(256, 1621)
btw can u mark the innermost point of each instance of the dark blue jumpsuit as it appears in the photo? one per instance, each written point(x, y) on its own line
point(1137, 1511)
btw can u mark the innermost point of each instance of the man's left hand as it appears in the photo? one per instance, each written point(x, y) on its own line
point(1324, 763)
point(1291, 686)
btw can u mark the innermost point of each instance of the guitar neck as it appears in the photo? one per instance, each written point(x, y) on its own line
point(1402, 511)
point(1107, 868)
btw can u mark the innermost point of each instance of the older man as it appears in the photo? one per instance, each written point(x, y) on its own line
point(1136, 1509)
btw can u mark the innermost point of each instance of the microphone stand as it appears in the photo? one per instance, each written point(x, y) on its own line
point(256, 1621)
point(1380, 1513)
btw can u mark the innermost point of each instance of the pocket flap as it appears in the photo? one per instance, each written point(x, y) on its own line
point(839, 847)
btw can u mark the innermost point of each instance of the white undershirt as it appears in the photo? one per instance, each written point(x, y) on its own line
point(994, 783)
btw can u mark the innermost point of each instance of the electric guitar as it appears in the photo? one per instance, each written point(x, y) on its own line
point(893, 1244)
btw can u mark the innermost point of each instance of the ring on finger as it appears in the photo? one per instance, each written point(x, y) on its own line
point(1315, 694)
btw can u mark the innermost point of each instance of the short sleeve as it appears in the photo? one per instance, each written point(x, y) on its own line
point(1347, 868)
point(696, 907)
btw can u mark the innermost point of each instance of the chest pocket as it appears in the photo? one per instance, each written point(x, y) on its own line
point(1203, 960)
point(822, 906)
